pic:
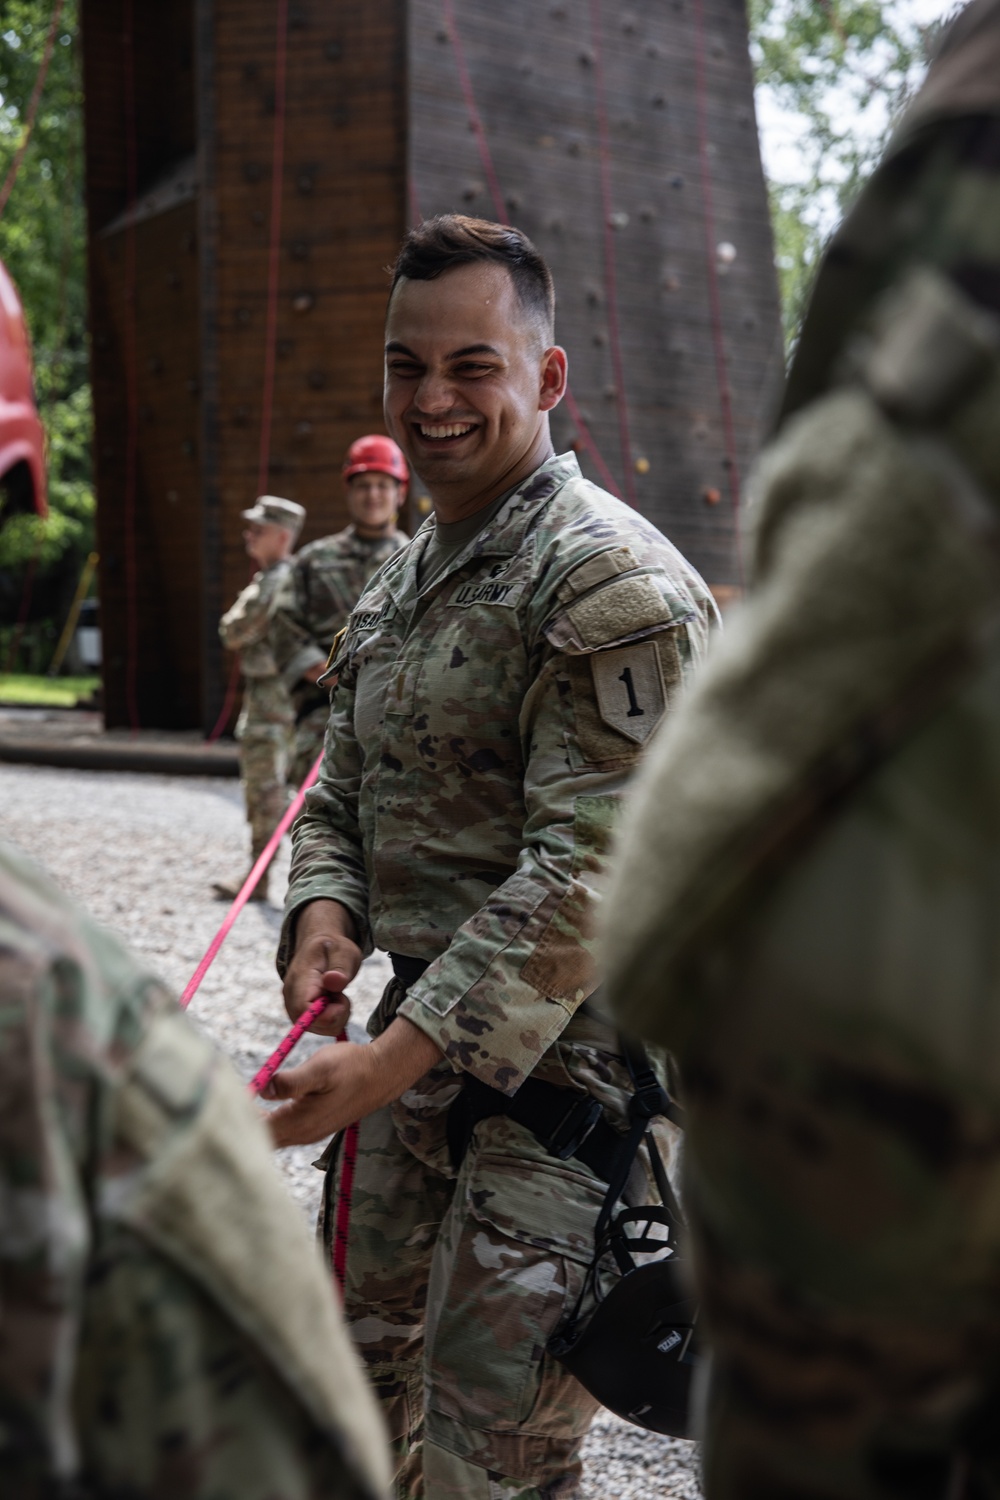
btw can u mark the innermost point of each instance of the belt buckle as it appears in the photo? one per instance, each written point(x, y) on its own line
point(574, 1128)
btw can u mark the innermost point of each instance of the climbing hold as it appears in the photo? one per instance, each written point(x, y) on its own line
point(725, 253)
point(303, 302)
point(618, 220)
point(710, 495)
point(642, 466)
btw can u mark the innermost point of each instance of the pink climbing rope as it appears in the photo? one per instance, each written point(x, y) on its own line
point(312, 1013)
point(244, 893)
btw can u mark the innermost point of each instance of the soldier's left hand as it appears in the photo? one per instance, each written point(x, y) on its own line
point(343, 1083)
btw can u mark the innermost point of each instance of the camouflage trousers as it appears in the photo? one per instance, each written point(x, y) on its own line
point(453, 1287)
point(264, 756)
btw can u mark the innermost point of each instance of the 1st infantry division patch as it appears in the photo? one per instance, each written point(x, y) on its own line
point(629, 686)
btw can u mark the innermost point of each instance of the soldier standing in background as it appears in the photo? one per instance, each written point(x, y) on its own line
point(327, 579)
point(808, 888)
point(495, 686)
point(266, 724)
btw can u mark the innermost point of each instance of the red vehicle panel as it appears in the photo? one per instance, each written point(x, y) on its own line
point(22, 440)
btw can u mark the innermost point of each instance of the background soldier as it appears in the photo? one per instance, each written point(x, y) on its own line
point(496, 684)
point(327, 579)
point(806, 906)
point(266, 724)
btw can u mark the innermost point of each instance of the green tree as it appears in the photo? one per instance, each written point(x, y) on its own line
point(836, 73)
point(43, 245)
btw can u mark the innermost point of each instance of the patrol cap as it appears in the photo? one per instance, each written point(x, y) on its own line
point(271, 510)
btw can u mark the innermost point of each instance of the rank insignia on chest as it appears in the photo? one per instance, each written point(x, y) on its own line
point(629, 687)
point(488, 591)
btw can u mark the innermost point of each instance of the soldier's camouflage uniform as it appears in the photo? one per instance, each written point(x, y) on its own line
point(319, 593)
point(266, 726)
point(807, 905)
point(481, 738)
point(166, 1329)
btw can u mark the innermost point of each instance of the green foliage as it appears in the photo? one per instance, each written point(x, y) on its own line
point(43, 245)
point(840, 71)
point(48, 692)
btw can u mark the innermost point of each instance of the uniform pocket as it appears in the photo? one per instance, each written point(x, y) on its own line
point(510, 1264)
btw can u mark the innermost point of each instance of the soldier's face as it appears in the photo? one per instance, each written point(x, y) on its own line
point(373, 502)
point(468, 383)
point(266, 543)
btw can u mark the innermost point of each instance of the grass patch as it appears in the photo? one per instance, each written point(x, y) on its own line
point(46, 692)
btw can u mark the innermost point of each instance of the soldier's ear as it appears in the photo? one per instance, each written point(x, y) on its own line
point(553, 375)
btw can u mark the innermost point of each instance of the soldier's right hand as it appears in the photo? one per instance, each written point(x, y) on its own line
point(325, 960)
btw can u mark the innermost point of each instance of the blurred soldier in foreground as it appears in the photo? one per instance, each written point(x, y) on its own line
point(496, 684)
point(165, 1326)
point(808, 891)
point(326, 582)
point(266, 724)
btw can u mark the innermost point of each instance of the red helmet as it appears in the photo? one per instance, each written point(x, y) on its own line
point(376, 453)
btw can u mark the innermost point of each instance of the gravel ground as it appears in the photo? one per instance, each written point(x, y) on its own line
point(141, 853)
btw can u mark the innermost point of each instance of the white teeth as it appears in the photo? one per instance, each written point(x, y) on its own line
point(452, 430)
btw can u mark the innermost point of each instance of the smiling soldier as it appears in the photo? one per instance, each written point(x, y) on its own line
point(496, 683)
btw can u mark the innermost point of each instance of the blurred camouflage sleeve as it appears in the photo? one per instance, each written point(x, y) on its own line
point(248, 621)
point(296, 647)
point(142, 1353)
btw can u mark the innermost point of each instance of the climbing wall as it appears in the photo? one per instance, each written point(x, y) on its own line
point(623, 140)
point(251, 168)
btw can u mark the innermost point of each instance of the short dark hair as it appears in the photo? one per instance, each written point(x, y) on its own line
point(438, 245)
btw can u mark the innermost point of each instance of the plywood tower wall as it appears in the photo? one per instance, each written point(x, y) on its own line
point(623, 141)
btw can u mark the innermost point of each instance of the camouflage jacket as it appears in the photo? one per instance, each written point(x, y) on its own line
point(482, 734)
point(322, 588)
point(143, 1352)
point(247, 627)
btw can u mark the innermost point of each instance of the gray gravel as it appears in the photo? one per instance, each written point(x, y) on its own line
point(141, 853)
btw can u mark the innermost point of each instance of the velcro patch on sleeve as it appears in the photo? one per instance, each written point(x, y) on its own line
point(621, 609)
point(629, 688)
point(597, 570)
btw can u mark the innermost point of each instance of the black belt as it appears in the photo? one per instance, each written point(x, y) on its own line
point(565, 1123)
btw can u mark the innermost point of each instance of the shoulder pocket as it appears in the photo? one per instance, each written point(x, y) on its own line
point(623, 664)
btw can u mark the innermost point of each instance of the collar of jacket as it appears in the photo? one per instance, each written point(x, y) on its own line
point(503, 537)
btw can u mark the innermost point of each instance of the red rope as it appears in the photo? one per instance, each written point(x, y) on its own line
point(343, 1224)
point(32, 111)
point(610, 279)
point(475, 120)
point(243, 895)
point(715, 301)
point(232, 687)
point(131, 378)
point(271, 317)
point(486, 157)
point(277, 185)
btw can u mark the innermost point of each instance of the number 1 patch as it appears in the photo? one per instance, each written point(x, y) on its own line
point(629, 687)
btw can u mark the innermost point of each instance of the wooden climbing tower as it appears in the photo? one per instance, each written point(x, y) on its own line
point(251, 168)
